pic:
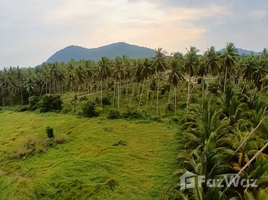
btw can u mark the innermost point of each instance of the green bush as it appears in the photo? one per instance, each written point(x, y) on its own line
point(50, 103)
point(33, 103)
point(23, 109)
point(113, 114)
point(88, 109)
point(106, 101)
point(136, 114)
point(49, 132)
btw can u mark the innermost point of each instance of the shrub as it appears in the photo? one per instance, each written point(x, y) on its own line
point(106, 101)
point(49, 132)
point(23, 109)
point(120, 143)
point(33, 103)
point(88, 109)
point(113, 114)
point(51, 103)
point(137, 114)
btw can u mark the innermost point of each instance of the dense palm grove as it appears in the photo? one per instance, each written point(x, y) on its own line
point(224, 129)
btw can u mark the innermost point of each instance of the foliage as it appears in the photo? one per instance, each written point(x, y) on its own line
point(88, 109)
point(113, 114)
point(49, 132)
point(50, 103)
point(33, 102)
point(22, 108)
point(135, 114)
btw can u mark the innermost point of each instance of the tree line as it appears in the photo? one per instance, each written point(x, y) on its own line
point(125, 74)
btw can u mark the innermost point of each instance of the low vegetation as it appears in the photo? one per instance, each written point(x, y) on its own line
point(129, 128)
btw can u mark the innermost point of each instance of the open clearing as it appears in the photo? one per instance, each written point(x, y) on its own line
point(87, 165)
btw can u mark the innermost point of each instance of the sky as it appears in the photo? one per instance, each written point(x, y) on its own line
point(33, 30)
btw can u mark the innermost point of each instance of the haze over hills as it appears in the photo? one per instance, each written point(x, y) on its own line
point(111, 51)
point(243, 51)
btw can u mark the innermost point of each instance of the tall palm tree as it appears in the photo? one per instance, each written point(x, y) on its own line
point(160, 65)
point(259, 73)
point(249, 65)
point(264, 54)
point(191, 65)
point(20, 81)
point(30, 86)
point(144, 71)
point(175, 77)
point(210, 64)
point(229, 59)
point(104, 72)
point(119, 74)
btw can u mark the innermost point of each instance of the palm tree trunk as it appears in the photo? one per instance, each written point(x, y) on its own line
point(188, 96)
point(148, 91)
point(21, 97)
point(175, 101)
point(203, 87)
point(157, 93)
point(153, 95)
point(41, 91)
point(101, 93)
point(133, 90)
point(118, 93)
point(114, 94)
point(169, 95)
point(141, 94)
point(127, 91)
point(46, 87)
point(3, 97)
point(225, 79)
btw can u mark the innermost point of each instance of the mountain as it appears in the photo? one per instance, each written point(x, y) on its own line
point(243, 51)
point(111, 51)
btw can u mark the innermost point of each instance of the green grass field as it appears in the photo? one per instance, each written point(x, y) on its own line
point(87, 165)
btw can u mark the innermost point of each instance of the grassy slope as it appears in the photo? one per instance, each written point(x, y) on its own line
point(87, 166)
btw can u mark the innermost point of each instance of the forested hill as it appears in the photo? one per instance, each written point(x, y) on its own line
point(245, 52)
point(111, 51)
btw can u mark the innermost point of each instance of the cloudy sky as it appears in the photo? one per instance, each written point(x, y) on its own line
point(32, 30)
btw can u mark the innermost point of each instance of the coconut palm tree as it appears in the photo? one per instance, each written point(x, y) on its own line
point(104, 72)
point(229, 60)
point(159, 63)
point(191, 65)
point(209, 65)
point(264, 54)
point(175, 77)
point(249, 65)
point(119, 75)
point(144, 72)
point(30, 86)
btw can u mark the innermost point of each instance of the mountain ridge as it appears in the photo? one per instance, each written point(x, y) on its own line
point(111, 51)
